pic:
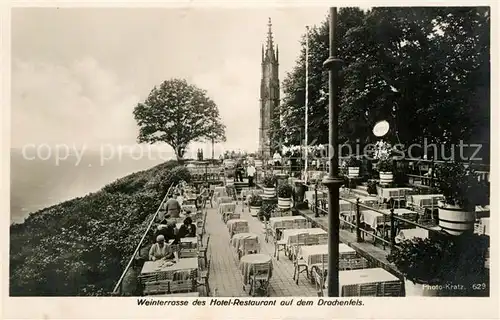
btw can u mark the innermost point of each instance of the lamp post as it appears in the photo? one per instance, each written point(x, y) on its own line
point(332, 181)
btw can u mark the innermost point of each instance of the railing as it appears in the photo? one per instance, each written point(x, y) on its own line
point(206, 173)
point(357, 224)
point(118, 287)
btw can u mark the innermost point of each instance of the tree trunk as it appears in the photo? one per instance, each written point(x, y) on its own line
point(213, 142)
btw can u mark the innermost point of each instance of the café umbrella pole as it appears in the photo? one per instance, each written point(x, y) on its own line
point(332, 181)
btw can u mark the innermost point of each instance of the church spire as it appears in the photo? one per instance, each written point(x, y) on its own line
point(270, 36)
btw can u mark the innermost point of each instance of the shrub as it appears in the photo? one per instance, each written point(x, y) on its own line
point(441, 260)
point(285, 191)
point(372, 187)
point(385, 165)
point(269, 181)
point(352, 161)
point(266, 209)
point(460, 185)
point(255, 200)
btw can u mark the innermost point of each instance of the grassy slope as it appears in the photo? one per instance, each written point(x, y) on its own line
point(81, 246)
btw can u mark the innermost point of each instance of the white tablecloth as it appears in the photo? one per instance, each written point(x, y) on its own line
point(237, 225)
point(180, 269)
point(396, 193)
point(373, 218)
point(249, 260)
point(425, 200)
point(280, 222)
point(291, 232)
point(351, 279)
point(312, 254)
point(408, 234)
point(227, 207)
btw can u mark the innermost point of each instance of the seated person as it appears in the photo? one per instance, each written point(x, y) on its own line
point(188, 229)
point(169, 231)
point(180, 198)
point(173, 208)
point(161, 250)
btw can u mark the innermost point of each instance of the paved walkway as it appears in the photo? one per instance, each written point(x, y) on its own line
point(225, 276)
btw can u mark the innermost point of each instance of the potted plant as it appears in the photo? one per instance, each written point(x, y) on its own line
point(266, 210)
point(352, 164)
point(269, 186)
point(372, 187)
point(285, 196)
point(385, 168)
point(428, 265)
point(255, 203)
point(462, 192)
point(419, 260)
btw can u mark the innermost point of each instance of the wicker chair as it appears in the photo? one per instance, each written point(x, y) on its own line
point(259, 279)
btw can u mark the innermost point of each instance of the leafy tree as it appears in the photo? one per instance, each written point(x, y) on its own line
point(428, 67)
point(178, 113)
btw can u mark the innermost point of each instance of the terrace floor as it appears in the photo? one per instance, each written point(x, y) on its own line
point(225, 276)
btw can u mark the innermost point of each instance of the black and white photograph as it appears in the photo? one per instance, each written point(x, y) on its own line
point(251, 152)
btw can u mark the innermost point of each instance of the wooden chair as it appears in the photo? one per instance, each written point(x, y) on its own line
point(156, 287)
point(188, 253)
point(266, 230)
point(322, 238)
point(203, 250)
point(300, 266)
point(367, 290)
point(259, 279)
point(279, 245)
point(311, 240)
point(294, 248)
point(203, 277)
point(250, 246)
point(390, 289)
point(181, 286)
point(357, 263)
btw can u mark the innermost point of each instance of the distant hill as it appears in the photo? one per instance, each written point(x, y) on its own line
point(80, 247)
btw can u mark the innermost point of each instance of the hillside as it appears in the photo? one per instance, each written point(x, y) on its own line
point(81, 246)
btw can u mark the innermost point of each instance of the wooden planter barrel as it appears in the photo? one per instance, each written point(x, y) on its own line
point(284, 203)
point(386, 177)
point(269, 193)
point(254, 211)
point(258, 163)
point(455, 220)
point(353, 172)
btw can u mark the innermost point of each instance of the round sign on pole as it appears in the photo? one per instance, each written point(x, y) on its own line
point(381, 128)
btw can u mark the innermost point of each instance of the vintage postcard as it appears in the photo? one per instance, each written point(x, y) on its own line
point(248, 160)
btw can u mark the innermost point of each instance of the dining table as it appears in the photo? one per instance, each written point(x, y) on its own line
point(409, 234)
point(227, 207)
point(314, 254)
point(239, 238)
point(220, 192)
point(169, 269)
point(237, 226)
point(249, 260)
point(287, 233)
point(287, 222)
point(396, 193)
point(191, 241)
point(351, 280)
point(424, 200)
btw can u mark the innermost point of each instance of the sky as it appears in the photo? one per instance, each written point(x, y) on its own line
point(77, 73)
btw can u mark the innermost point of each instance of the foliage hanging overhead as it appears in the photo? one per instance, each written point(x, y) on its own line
point(424, 70)
point(178, 113)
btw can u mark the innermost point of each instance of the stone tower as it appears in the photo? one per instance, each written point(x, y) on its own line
point(269, 94)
